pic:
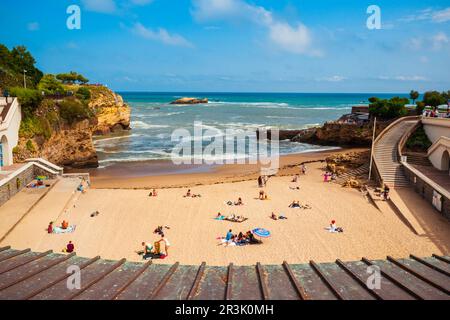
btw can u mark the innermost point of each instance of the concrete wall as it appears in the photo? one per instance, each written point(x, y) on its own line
point(426, 192)
point(9, 132)
point(436, 128)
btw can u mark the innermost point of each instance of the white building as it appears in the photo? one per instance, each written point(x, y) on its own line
point(438, 131)
point(10, 117)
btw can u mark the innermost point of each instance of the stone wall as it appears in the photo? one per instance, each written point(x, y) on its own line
point(20, 181)
point(426, 192)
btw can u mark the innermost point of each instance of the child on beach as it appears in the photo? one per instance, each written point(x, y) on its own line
point(261, 194)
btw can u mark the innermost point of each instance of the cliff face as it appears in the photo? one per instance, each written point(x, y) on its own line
point(340, 134)
point(111, 112)
point(70, 144)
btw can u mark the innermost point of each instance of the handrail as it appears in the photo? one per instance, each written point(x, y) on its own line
point(405, 137)
point(382, 133)
point(45, 162)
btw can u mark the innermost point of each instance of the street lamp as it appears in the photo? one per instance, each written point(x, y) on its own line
point(24, 79)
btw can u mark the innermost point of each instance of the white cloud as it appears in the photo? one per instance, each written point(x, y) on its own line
point(33, 26)
point(430, 14)
point(404, 78)
point(102, 6)
point(439, 40)
point(161, 35)
point(415, 43)
point(335, 78)
point(295, 39)
point(441, 16)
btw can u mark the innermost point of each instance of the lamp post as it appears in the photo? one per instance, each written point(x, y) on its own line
point(371, 149)
point(24, 79)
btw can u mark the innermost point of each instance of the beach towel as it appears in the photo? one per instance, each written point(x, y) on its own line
point(59, 230)
point(220, 218)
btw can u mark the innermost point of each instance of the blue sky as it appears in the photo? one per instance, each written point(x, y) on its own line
point(239, 45)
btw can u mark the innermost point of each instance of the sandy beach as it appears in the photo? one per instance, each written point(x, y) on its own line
point(129, 216)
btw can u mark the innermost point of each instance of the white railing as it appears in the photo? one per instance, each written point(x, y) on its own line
point(46, 163)
point(12, 110)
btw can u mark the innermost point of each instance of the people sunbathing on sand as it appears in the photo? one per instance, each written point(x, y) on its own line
point(273, 216)
point(233, 218)
point(238, 240)
point(334, 228)
point(295, 178)
point(64, 224)
point(191, 195)
point(295, 204)
point(239, 202)
point(153, 193)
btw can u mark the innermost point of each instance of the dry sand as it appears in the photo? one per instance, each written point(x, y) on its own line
point(128, 217)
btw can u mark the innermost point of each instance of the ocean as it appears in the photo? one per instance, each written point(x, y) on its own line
point(153, 119)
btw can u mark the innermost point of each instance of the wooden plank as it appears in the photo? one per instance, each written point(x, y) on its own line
point(43, 254)
point(129, 282)
point(163, 282)
point(262, 281)
point(358, 279)
point(300, 291)
point(64, 258)
point(430, 265)
point(229, 282)
point(441, 258)
point(195, 285)
point(394, 280)
point(417, 274)
point(15, 254)
point(5, 248)
point(102, 276)
point(63, 277)
point(325, 279)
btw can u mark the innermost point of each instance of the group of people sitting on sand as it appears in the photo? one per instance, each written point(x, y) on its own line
point(329, 176)
point(51, 228)
point(295, 204)
point(232, 218)
point(153, 193)
point(153, 250)
point(240, 239)
point(189, 194)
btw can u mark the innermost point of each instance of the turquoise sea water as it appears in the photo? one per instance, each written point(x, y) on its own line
point(153, 119)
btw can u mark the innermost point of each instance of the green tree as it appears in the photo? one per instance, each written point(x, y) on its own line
point(73, 110)
point(49, 85)
point(71, 78)
point(29, 99)
point(388, 109)
point(83, 93)
point(434, 98)
point(413, 95)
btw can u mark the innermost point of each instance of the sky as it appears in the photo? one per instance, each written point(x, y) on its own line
point(239, 45)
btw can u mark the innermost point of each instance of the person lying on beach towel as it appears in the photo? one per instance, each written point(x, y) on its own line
point(219, 216)
point(273, 216)
point(59, 230)
point(233, 218)
point(294, 188)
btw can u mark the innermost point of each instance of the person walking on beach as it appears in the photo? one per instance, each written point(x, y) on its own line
point(303, 168)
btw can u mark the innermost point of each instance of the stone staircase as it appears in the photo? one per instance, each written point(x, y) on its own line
point(386, 154)
point(352, 174)
point(418, 158)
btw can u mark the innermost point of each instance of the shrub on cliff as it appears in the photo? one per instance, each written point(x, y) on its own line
point(73, 110)
point(32, 126)
point(29, 99)
point(50, 86)
point(388, 109)
point(83, 93)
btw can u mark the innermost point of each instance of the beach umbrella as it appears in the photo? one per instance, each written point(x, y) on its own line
point(261, 232)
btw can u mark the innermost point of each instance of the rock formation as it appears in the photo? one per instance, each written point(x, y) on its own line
point(186, 100)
